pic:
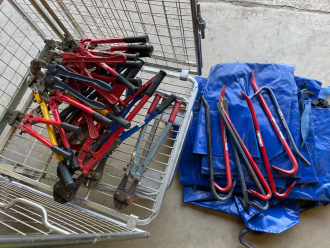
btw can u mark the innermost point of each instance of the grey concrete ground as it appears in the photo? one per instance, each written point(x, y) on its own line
point(292, 32)
point(279, 31)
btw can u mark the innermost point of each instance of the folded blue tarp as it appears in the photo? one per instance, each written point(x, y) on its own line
point(313, 181)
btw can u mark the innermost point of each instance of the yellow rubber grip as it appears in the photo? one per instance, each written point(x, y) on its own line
point(50, 129)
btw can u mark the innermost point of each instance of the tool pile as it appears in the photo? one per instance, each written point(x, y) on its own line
point(239, 130)
point(100, 95)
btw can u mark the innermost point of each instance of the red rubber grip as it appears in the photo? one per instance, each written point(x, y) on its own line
point(175, 111)
point(154, 103)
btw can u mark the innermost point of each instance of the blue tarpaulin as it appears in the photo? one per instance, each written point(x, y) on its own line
point(313, 182)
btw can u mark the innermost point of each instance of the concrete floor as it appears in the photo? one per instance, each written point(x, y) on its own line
point(291, 32)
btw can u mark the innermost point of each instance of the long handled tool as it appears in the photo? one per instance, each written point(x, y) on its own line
point(264, 153)
point(247, 154)
point(123, 198)
point(210, 155)
point(277, 130)
point(286, 128)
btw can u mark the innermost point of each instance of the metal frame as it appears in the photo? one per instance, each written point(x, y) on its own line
point(152, 191)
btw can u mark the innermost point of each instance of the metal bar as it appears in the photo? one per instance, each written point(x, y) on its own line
point(34, 205)
point(76, 239)
point(28, 19)
point(73, 22)
point(50, 22)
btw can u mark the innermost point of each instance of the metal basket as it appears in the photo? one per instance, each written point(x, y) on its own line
point(28, 213)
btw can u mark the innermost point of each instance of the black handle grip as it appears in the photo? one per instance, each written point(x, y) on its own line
point(72, 128)
point(145, 54)
point(130, 64)
point(133, 71)
point(134, 39)
point(154, 85)
point(121, 80)
point(136, 81)
point(103, 119)
point(166, 103)
point(66, 175)
point(73, 162)
point(130, 57)
point(63, 153)
point(140, 48)
point(119, 120)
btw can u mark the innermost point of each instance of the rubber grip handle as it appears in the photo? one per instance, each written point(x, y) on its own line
point(63, 153)
point(119, 120)
point(106, 121)
point(133, 72)
point(72, 128)
point(117, 110)
point(73, 162)
point(145, 54)
point(136, 81)
point(154, 85)
point(121, 80)
point(140, 48)
point(175, 111)
point(132, 57)
point(130, 64)
point(134, 39)
point(154, 103)
point(66, 175)
point(166, 103)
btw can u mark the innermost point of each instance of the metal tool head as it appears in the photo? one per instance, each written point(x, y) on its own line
point(15, 118)
point(52, 56)
point(35, 67)
point(69, 44)
point(123, 198)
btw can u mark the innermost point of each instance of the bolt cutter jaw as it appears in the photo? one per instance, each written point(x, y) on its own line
point(15, 118)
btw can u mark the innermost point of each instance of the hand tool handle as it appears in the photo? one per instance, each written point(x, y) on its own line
point(140, 48)
point(145, 54)
point(72, 128)
point(175, 111)
point(130, 64)
point(117, 110)
point(154, 85)
point(135, 39)
point(166, 103)
point(154, 103)
point(62, 71)
point(74, 163)
point(135, 81)
point(119, 120)
point(121, 80)
point(107, 122)
point(60, 151)
point(131, 72)
point(64, 170)
point(131, 57)
point(58, 84)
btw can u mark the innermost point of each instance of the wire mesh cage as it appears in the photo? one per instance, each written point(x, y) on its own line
point(28, 169)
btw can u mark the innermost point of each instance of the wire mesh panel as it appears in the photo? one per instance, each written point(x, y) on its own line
point(23, 158)
point(169, 25)
point(23, 219)
point(23, 151)
point(19, 44)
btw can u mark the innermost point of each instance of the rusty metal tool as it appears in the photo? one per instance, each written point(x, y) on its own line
point(123, 198)
point(210, 155)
